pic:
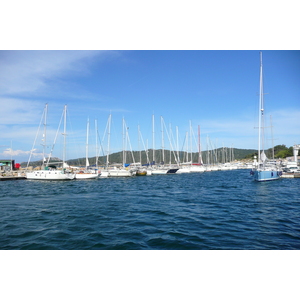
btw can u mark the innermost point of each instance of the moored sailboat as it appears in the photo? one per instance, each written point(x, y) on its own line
point(124, 170)
point(50, 172)
point(87, 173)
point(264, 170)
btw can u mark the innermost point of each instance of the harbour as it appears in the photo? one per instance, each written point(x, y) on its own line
point(194, 211)
point(79, 182)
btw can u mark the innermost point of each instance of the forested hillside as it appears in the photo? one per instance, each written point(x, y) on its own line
point(212, 156)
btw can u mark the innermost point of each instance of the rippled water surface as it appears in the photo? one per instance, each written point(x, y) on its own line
point(213, 210)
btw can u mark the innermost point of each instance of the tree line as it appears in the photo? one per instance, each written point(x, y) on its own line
point(280, 151)
point(219, 155)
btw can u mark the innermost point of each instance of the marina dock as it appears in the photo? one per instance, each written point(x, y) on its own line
point(290, 175)
point(12, 178)
point(2, 178)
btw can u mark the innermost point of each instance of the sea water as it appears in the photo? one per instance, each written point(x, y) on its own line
point(211, 210)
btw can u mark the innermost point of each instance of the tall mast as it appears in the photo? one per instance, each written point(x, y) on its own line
point(207, 152)
point(96, 130)
point(124, 140)
point(44, 134)
point(162, 140)
point(191, 142)
point(108, 141)
point(65, 134)
point(153, 140)
point(261, 112)
point(139, 142)
point(87, 144)
point(199, 148)
point(177, 143)
point(171, 136)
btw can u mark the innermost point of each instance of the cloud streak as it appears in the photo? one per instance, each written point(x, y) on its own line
point(285, 126)
point(18, 111)
point(28, 71)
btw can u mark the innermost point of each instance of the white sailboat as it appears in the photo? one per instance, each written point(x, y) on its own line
point(264, 170)
point(189, 166)
point(87, 173)
point(199, 166)
point(162, 169)
point(47, 172)
point(117, 171)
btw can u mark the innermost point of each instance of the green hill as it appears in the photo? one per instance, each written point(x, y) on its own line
point(222, 155)
point(211, 156)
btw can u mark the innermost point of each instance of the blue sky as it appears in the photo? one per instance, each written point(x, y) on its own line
point(217, 90)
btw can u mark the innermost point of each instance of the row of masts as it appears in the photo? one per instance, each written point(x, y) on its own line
point(212, 154)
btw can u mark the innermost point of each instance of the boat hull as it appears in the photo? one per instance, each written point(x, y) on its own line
point(159, 171)
point(172, 171)
point(197, 169)
point(121, 173)
point(141, 173)
point(266, 175)
point(86, 176)
point(49, 175)
point(183, 170)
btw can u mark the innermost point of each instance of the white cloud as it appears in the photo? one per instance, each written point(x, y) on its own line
point(286, 122)
point(10, 152)
point(29, 71)
point(20, 155)
point(17, 111)
point(242, 131)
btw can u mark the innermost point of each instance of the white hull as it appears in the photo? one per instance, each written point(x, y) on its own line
point(149, 172)
point(86, 175)
point(160, 172)
point(104, 173)
point(197, 169)
point(49, 175)
point(121, 173)
point(117, 173)
point(183, 170)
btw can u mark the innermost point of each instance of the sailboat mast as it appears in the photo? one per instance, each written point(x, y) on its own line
point(186, 147)
point(96, 130)
point(261, 112)
point(139, 142)
point(153, 140)
point(162, 140)
point(108, 141)
point(199, 148)
point(44, 134)
point(124, 140)
point(170, 140)
point(87, 144)
point(177, 143)
point(191, 142)
point(65, 134)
